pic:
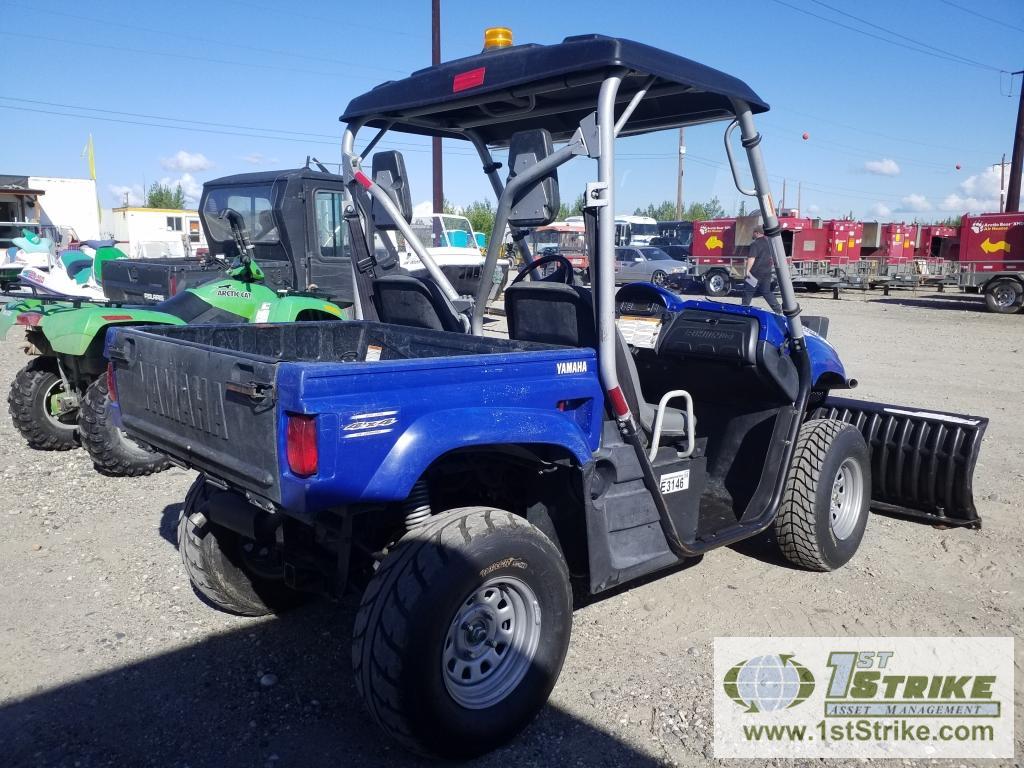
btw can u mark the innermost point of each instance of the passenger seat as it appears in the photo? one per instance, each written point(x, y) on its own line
point(554, 313)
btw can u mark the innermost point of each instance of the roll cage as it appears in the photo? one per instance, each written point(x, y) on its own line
point(585, 92)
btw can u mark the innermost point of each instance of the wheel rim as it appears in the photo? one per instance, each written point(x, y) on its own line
point(51, 407)
point(1004, 295)
point(658, 278)
point(715, 283)
point(491, 642)
point(846, 499)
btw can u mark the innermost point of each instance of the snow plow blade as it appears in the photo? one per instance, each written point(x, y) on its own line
point(922, 462)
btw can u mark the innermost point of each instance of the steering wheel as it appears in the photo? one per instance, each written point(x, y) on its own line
point(562, 274)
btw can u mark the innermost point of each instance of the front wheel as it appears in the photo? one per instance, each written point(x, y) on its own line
point(658, 277)
point(111, 450)
point(824, 508)
point(1004, 297)
point(37, 407)
point(717, 284)
point(472, 613)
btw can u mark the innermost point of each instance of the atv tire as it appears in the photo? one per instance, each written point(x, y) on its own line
point(28, 403)
point(112, 451)
point(824, 508)
point(214, 559)
point(461, 633)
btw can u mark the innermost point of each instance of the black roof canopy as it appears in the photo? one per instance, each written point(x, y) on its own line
point(504, 90)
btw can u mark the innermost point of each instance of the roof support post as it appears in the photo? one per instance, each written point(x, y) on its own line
point(751, 141)
point(604, 277)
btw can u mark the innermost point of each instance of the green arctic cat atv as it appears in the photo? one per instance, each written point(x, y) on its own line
point(60, 397)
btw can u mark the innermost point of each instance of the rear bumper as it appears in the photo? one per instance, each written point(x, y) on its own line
point(922, 462)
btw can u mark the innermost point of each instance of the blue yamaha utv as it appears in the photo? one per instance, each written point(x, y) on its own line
point(464, 482)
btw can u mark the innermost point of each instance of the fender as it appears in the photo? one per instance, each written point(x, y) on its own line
point(288, 308)
point(11, 310)
point(432, 436)
point(71, 333)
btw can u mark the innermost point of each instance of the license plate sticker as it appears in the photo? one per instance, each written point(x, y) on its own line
point(639, 331)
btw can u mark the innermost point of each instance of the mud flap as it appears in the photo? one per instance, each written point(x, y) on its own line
point(922, 462)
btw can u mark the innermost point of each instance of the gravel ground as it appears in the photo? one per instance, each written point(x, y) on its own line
point(110, 660)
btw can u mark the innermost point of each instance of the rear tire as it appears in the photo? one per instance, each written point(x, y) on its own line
point(470, 581)
point(214, 560)
point(824, 508)
point(1004, 296)
point(112, 451)
point(717, 284)
point(29, 403)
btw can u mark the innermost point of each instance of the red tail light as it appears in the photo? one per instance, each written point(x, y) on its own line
point(111, 383)
point(301, 443)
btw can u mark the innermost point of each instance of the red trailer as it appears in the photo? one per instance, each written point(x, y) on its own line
point(714, 253)
point(931, 252)
point(887, 254)
point(821, 251)
point(990, 252)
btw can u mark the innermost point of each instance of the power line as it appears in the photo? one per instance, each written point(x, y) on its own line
point(1000, 22)
point(900, 44)
point(405, 146)
point(220, 43)
point(889, 32)
point(178, 56)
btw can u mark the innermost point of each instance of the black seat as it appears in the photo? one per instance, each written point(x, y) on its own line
point(405, 300)
point(554, 313)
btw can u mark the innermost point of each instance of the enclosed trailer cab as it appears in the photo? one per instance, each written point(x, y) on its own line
point(990, 255)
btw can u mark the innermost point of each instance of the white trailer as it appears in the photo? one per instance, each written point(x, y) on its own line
point(149, 233)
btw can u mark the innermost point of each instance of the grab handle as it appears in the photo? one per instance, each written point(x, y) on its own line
point(732, 161)
point(690, 425)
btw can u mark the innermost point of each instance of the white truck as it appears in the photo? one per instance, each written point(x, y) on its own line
point(635, 230)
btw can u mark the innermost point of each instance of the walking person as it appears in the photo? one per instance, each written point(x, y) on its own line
point(760, 267)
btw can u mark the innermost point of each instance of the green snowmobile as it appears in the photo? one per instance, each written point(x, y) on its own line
point(60, 397)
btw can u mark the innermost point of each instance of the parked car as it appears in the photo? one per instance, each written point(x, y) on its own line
point(645, 263)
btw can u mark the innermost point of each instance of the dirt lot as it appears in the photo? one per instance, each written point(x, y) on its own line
point(110, 659)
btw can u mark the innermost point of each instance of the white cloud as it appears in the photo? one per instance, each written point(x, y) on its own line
point(915, 202)
point(978, 193)
point(258, 158)
point(813, 208)
point(423, 209)
point(186, 162)
point(189, 185)
point(134, 192)
point(881, 210)
point(883, 167)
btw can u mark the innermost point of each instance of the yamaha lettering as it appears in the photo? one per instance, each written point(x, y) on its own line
point(571, 366)
point(186, 399)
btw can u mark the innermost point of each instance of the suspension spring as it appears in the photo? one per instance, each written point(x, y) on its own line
point(417, 506)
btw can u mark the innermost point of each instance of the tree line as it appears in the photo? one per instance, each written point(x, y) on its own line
point(481, 212)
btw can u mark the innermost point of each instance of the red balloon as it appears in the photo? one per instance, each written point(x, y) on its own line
point(806, 135)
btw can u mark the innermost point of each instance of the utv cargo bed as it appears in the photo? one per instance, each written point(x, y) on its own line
point(218, 398)
point(151, 280)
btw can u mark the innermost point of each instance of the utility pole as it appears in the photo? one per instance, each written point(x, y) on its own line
point(679, 176)
point(1002, 184)
point(783, 204)
point(1013, 193)
point(435, 59)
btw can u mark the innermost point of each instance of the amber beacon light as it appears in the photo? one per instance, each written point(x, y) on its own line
point(497, 37)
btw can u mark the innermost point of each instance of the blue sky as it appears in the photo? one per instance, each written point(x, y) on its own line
point(261, 85)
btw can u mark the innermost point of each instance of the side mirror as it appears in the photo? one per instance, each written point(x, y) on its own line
point(538, 204)
point(388, 170)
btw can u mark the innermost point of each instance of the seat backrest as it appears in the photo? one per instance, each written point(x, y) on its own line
point(629, 378)
point(551, 313)
point(405, 300)
point(104, 255)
